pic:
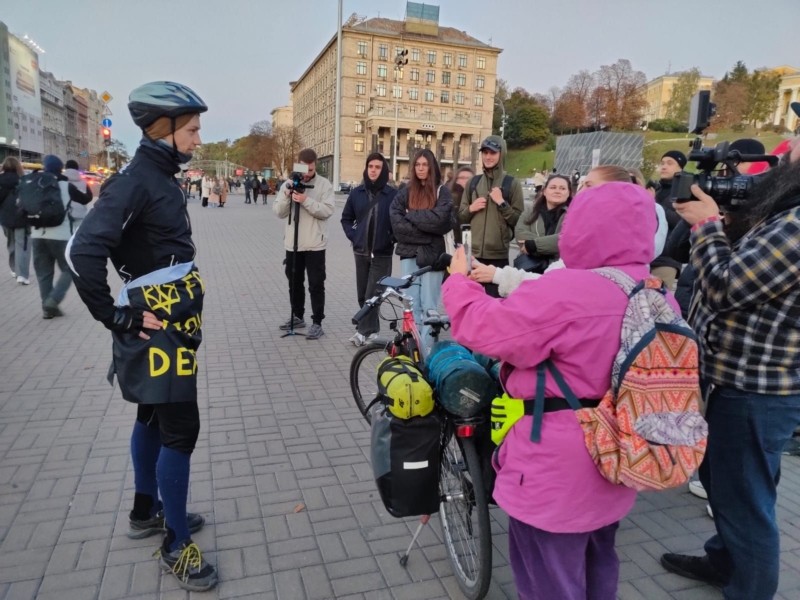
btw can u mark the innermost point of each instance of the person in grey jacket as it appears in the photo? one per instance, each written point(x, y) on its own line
point(316, 205)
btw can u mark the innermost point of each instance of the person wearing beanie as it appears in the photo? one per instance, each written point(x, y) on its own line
point(141, 223)
point(366, 223)
point(49, 244)
point(672, 162)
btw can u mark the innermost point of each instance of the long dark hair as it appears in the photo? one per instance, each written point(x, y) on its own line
point(777, 190)
point(540, 202)
point(422, 195)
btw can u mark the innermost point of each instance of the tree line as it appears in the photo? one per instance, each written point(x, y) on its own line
point(612, 98)
point(263, 147)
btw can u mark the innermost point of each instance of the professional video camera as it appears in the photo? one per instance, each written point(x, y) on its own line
point(297, 184)
point(730, 189)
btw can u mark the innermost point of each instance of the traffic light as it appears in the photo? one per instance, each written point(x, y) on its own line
point(106, 136)
point(401, 59)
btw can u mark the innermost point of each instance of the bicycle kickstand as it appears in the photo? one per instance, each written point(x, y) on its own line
point(423, 520)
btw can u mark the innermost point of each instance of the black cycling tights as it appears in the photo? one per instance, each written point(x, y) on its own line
point(178, 423)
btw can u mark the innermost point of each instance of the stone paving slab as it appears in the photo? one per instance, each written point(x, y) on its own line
point(280, 472)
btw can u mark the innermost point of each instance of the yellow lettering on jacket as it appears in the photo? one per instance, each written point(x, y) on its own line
point(183, 361)
point(157, 353)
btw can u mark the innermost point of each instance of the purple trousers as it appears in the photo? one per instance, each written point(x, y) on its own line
point(567, 566)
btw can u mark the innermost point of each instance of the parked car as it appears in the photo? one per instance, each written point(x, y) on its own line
point(346, 187)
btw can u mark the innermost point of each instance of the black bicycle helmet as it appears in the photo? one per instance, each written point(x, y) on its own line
point(158, 99)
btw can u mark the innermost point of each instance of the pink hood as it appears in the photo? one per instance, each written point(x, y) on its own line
point(573, 317)
point(609, 226)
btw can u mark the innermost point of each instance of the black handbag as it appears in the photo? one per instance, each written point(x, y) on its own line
point(531, 264)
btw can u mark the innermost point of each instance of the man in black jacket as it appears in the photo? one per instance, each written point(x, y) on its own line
point(366, 223)
point(141, 223)
point(673, 162)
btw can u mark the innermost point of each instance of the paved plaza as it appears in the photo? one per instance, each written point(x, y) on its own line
point(281, 470)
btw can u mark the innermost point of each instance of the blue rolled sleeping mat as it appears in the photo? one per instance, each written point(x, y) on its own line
point(463, 387)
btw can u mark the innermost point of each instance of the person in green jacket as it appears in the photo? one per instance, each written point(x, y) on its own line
point(491, 214)
point(538, 230)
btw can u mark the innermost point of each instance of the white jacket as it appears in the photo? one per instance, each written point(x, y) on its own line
point(314, 215)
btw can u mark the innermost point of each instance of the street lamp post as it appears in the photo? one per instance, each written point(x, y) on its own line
point(399, 62)
point(497, 100)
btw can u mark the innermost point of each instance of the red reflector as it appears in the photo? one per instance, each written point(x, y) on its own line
point(465, 431)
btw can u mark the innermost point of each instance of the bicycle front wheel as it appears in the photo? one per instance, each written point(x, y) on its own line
point(464, 513)
point(364, 375)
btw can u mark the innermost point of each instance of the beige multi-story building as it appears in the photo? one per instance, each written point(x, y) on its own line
point(94, 115)
point(788, 92)
point(658, 93)
point(282, 116)
point(442, 99)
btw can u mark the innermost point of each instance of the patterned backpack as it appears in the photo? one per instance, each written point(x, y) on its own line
point(647, 432)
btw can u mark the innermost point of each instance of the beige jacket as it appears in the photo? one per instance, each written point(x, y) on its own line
point(314, 215)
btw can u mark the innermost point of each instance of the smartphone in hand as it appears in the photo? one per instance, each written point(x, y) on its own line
point(466, 241)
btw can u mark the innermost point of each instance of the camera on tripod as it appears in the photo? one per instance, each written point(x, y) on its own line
point(728, 190)
point(297, 184)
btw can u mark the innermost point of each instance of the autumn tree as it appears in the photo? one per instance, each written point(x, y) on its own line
point(287, 144)
point(681, 99)
point(622, 101)
point(762, 92)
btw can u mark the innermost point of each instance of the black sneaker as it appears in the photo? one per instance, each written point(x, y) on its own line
point(298, 324)
point(693, 567)
point(140, 529)
point(186, 563)
point(50, 312)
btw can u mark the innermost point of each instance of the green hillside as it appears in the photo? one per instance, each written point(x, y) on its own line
point(523, 162)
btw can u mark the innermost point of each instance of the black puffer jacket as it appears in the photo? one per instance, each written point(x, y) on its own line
point(9, 217)
point(673, 219)
point(414, 228)
point(140, 222)
point(356, 221)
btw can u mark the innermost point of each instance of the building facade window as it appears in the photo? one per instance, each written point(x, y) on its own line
point(428, 95)
point(414, 75)
point(480, 62)
point(397, 91)
point(361, 88)
point(462, 61)
point(412, 111)
point(380, 89)
point(361, 68)
point(478, 100)
point(360, 108)
point(362, 49)
point(413, 94)
point(461, 80)
point(458, 98)
point(447, 59)
point(443, 115)
point(445, 97)
point(480, 82)
point(431, 57)
point(430, 76)
point(446, 77)
point(359, 126)
point(358, 144)
point(383, 52)
point(415, 54)
point(382, 71)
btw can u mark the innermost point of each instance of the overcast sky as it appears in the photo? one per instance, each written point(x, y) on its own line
point(240, 55)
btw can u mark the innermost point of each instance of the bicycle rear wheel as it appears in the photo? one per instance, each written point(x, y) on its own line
point(364, 375)
point(464, 513)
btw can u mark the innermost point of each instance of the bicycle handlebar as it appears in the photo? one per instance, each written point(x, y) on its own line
point(362, 312)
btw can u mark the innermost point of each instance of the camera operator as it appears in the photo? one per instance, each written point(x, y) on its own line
point(746, 317)
point(316, 206)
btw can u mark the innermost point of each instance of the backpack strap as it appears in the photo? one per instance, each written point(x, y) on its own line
point(538, 406)
point(628, 284)
point(508, 181)
point(473, 185)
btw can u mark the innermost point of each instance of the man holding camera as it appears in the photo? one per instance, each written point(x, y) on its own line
point(308, 198)
point(746, 316)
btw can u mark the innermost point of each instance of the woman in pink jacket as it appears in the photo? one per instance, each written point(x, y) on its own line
point(563, 513)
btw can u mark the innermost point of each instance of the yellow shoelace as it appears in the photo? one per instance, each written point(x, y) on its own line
point(189, 558)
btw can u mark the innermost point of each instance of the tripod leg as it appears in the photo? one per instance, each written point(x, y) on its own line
point(423, 520)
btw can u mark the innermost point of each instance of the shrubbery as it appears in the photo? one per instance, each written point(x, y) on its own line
point(667, 125)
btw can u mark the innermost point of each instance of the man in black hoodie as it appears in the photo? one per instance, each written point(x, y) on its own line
point(366, 223)
point(673, 162)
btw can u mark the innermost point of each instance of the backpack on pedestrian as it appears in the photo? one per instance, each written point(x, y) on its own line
point(505, 186)
point(216, 189)
point(39, 200)
point(647, 432)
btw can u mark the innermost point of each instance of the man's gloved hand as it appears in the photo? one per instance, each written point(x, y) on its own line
point(127, 319)
point(505, 412)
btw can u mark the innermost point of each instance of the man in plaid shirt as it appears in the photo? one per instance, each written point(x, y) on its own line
point(747, 317)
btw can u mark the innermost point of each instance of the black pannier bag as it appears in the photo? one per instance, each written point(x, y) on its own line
point(406, 456)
